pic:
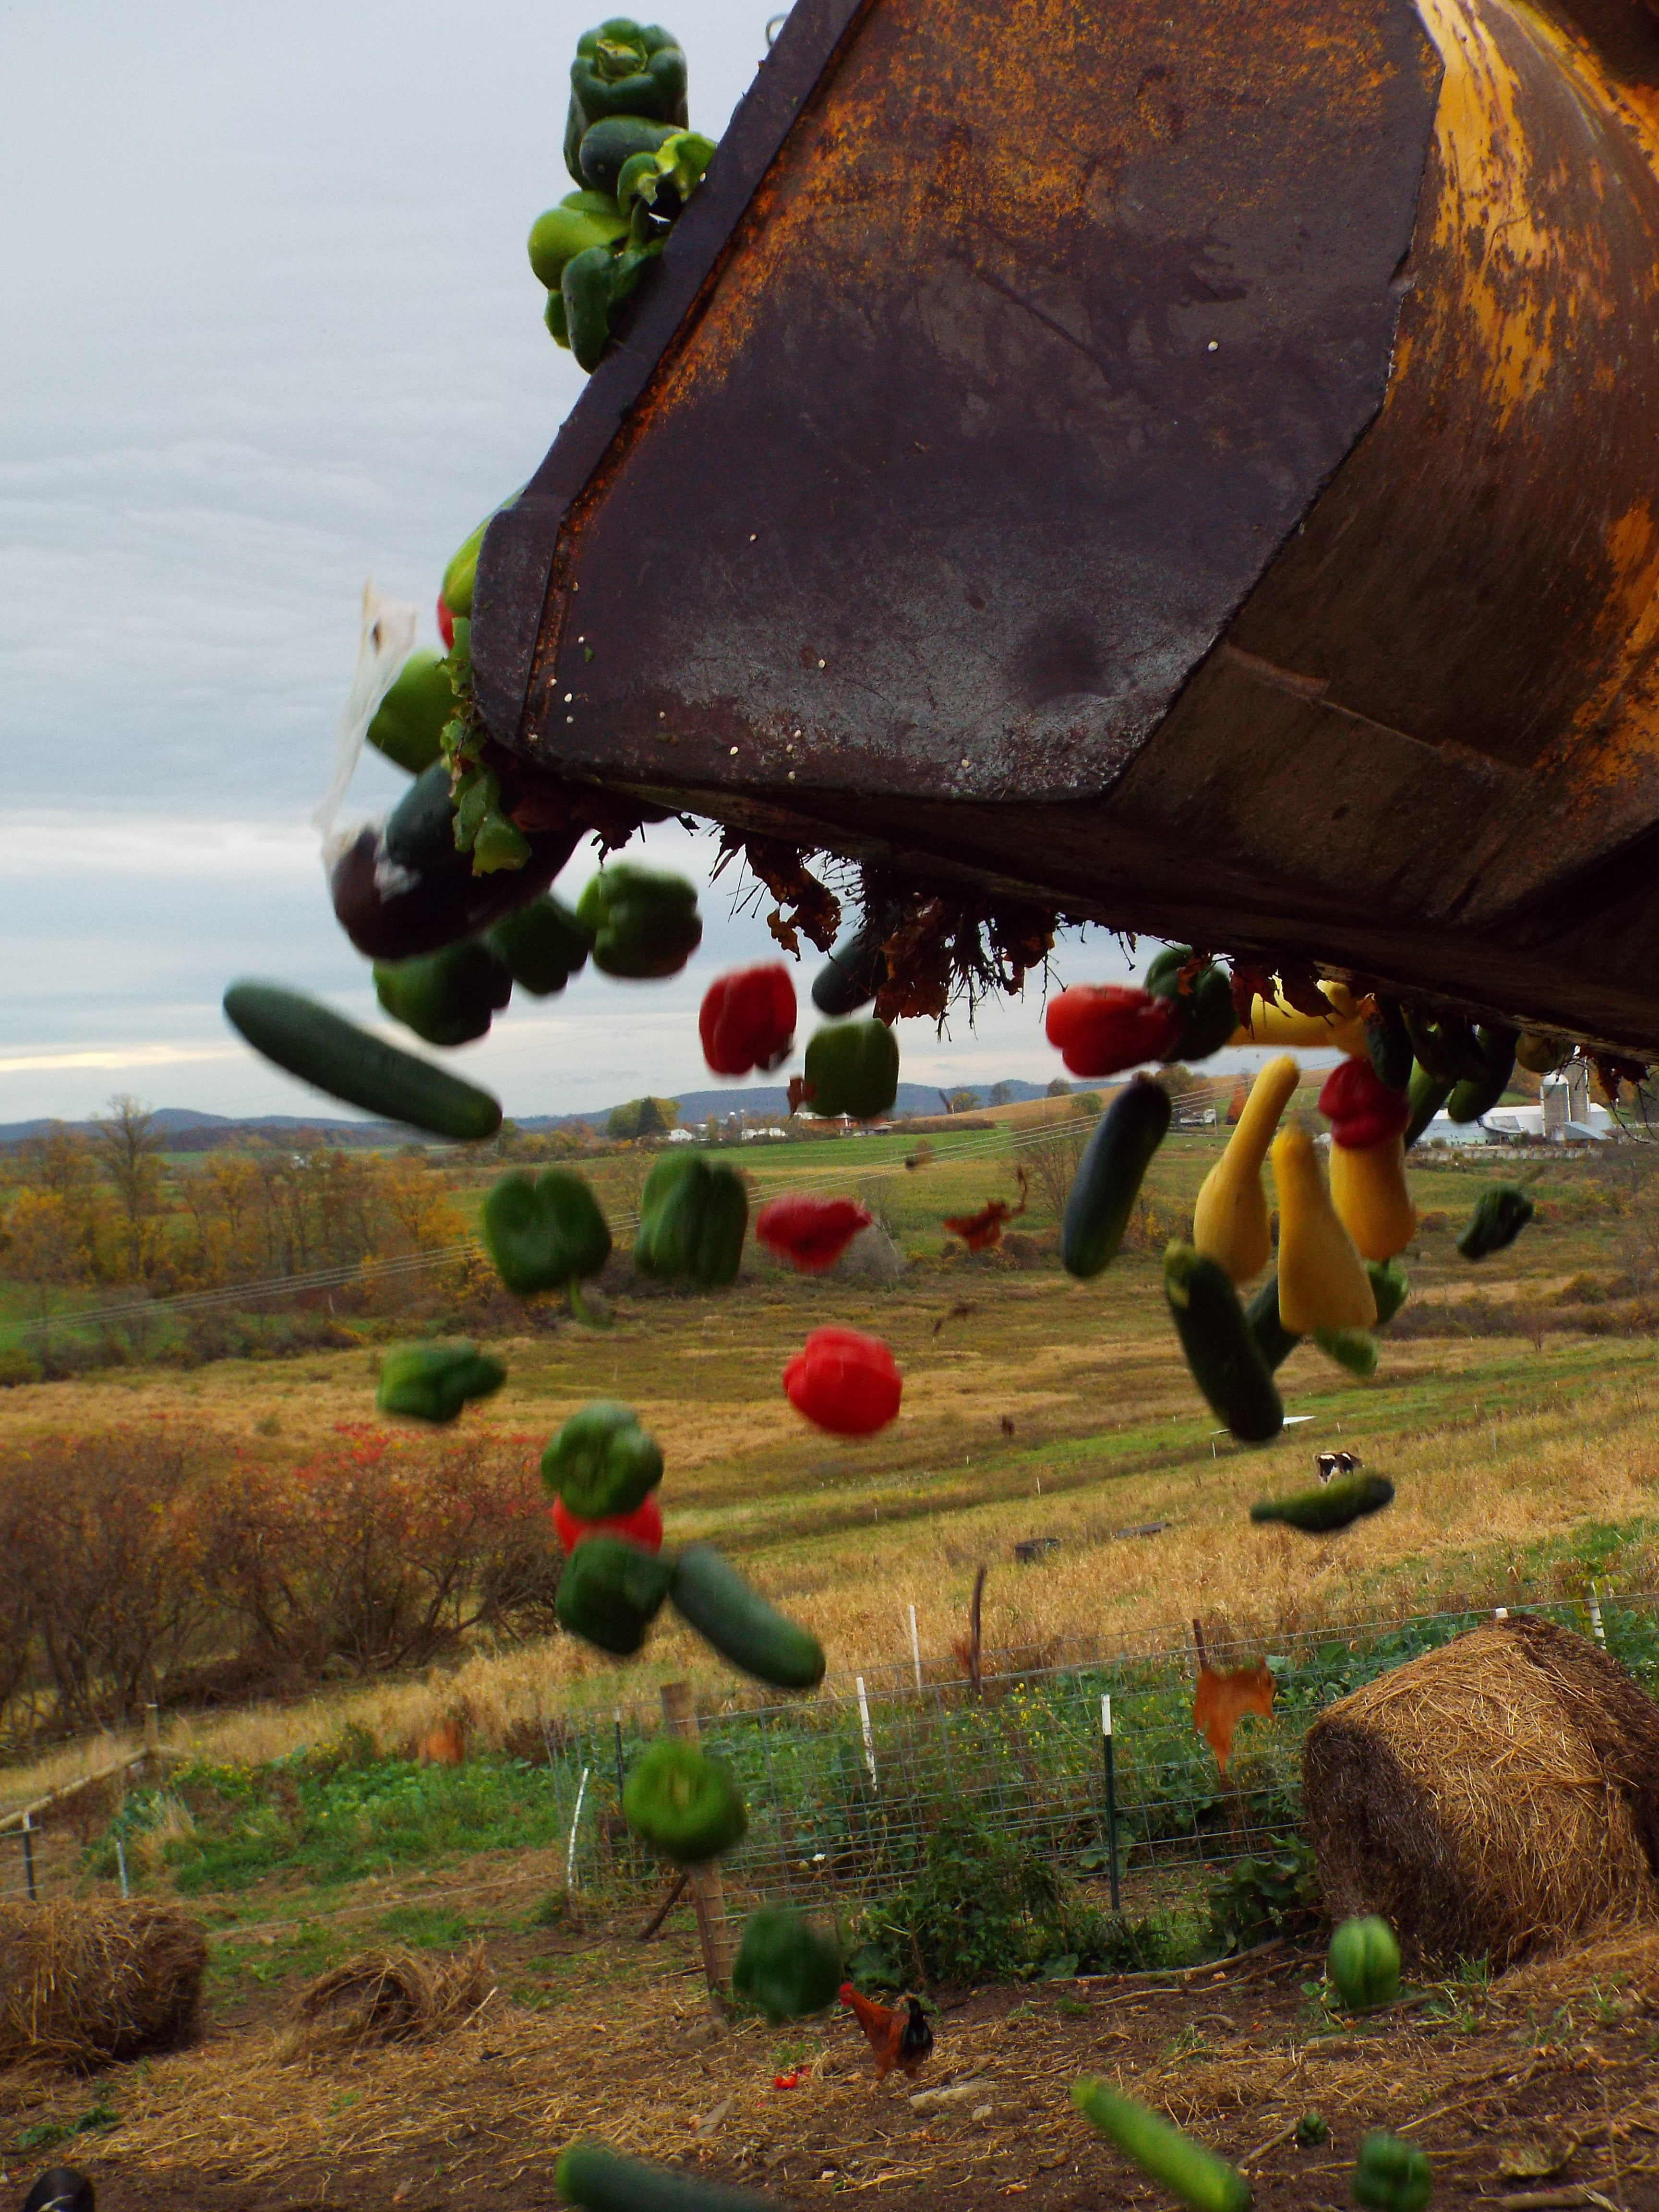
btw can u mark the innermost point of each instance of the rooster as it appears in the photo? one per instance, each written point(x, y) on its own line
point(897, 2039)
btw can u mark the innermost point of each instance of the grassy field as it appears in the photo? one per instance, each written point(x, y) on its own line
point(1515, 1420)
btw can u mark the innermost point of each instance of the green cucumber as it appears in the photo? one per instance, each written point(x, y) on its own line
point(334, 1055)
point(1473, 1098)
point(600, 2181)
point(1445, 1046)
point(1352, 1348)
point(1425, 1095)
point(714, 1599)
point(1389, 1045)
point(1191, 2169)
point(1274, 1340)
point(1333, 1506)
point(1108, 1180)
point(1499, 1216)
point(1221, 1348)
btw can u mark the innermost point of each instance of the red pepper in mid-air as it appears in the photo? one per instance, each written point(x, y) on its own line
point(844, 1382)
point(1361, 1109)
point(812, 1232)
point(747, 1019)
point(643, 1526)
point(1101, 1029)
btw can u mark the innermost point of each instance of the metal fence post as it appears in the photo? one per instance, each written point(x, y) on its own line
point(1111, 1799)
point(707, 1897)
point(28, 1857)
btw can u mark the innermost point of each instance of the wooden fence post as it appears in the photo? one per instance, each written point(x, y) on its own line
point(707, 1897)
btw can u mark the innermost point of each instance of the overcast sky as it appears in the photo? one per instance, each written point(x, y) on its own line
point(269, 330)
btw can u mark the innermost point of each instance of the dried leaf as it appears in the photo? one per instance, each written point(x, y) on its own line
point(1222, 1701)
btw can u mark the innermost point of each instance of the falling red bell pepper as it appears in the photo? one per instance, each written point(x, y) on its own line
point(1101, 1029)
point(1362, 1111)
point(812, 1232)
point(446, 624)
point(844, 1382)
point(747, 1019)
point(643, 1526)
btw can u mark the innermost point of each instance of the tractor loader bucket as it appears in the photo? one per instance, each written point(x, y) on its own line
point(1191, 465)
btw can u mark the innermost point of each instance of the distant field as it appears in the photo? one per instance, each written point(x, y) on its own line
point(1521, 1439)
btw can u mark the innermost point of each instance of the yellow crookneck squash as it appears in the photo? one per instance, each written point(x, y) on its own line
point(1322, 1283)
point(1230, 1221)
point(1372, 1202)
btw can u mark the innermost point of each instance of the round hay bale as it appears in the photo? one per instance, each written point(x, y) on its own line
point(386, 1996)
point(80, 1983)
point(1497, 1793)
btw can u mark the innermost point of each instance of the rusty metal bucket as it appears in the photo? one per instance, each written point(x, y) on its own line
point(1194, 471)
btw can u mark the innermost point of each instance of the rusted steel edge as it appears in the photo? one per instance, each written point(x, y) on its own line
point(516, 562)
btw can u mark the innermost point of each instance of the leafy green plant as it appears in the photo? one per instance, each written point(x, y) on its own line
point(45, 2133)
point(1261, 1896)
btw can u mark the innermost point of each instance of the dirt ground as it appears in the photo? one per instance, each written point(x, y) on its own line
point(1539, 2090)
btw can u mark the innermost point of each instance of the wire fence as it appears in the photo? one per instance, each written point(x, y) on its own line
point(844, 1788)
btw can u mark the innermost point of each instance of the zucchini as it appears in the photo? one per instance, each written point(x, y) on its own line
point(1221, 1348)
point(1445, 1046)
point(1275, 1342)
point(1389, 1045)
point(855, 970)
point(334, 1055)
point(1107, 1180)
point(1352, 1348)
point(1191, 2169)
point(713, 1598)
point(1333, 1506)
point(1475, 1096)
point(600, 2181)
point(1425, 1095)
point(1388, 1288)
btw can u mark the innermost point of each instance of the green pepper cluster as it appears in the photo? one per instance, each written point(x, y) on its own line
point(635, 164)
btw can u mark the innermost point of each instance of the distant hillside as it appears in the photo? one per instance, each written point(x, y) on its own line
point(188, 1131)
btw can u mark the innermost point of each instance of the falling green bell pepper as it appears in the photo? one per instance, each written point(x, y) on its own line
point(644, 921)
point(433, 1381)
point(623, 68)
point(1499, 1216)
point(544, 1233)
point(1365, 1962)
point(448, 997)
point(542, 945)
point(580, 220)
point(685, 1804)
point(456, 591)
point(602, 1463)
point(1204, 1001)
point(852, 1067)
point(653, 188)
point(694, 1216)
point(1391, 2176)
point(786, 1964)
point(409, 721)
point(609, 1593)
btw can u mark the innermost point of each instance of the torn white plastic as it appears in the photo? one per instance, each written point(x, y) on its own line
point(385, 644)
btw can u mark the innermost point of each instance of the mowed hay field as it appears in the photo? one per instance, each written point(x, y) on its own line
point(1512, 1407)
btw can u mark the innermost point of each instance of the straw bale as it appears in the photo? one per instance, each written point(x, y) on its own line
point(388, 1996)
point(84, 1982)
point(1498, 1794)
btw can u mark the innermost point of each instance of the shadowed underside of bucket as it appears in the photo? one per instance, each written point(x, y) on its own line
point(1194, 477)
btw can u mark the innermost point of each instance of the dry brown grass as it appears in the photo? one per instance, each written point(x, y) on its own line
point(82, 1981)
